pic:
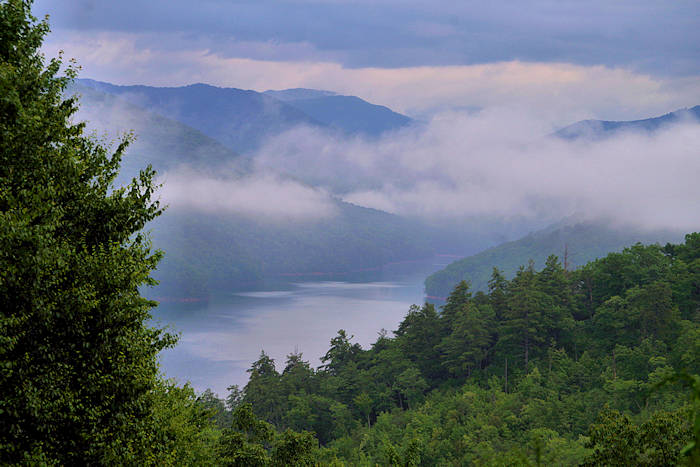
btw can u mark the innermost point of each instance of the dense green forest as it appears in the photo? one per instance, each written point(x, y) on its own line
point(595, 366)
point(551, 367)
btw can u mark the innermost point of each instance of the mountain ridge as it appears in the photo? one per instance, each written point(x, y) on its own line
point(243, 119)
point(598, 129)
point(581, 242)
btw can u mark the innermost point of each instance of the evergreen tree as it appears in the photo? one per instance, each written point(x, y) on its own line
point(466, 347)
point(264, 390)
point(459, 297)
point(418, 336)
point(523, 319)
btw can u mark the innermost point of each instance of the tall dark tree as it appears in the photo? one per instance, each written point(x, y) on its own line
point(497, 292)
point(466, 347)
point(264, 390)
point(78, 363)
point(341, 353)
point(418, 337)
point(524, 316)
point(459, 297)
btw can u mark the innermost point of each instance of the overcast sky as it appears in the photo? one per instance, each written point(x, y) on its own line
point(383, 44)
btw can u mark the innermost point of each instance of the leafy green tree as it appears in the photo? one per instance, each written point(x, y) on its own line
point(411, 386)
point(78, 362)
point(216, 407)
point(247, 442)
point(253, 442)
point(618, 442)
point(363, 402)
point(183, 430)
point(294, 449)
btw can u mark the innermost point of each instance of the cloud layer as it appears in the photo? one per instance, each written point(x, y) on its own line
point(502, 164)
point(649, 35)
point(262, 195)
point(558, 91)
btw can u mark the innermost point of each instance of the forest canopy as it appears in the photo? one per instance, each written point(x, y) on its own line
point(595, 366)
point(554, 366)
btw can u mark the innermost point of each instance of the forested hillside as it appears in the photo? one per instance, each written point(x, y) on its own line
point(574, 243)
point(553, 367)
point(210, 253)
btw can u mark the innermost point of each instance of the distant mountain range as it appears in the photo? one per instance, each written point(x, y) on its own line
point(206, 252)
point(242, 120)
point(200, 126)
point(598, 129)
point(349, 114)
point(580, 242)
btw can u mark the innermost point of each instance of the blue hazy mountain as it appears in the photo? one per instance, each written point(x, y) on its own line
point(239, 119)
point(295, 94)
point(597, 129)
point(160, 141)
point(349, 114)
point(242, 119)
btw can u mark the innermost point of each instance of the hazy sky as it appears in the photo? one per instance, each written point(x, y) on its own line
point(416, 56)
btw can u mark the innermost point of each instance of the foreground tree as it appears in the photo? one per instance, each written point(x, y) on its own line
point(78, 363)
point(253, 442)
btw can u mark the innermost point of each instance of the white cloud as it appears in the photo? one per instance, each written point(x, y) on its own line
point(264, 196)
point(502, 164)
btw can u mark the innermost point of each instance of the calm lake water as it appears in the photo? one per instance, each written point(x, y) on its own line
point(220, 339)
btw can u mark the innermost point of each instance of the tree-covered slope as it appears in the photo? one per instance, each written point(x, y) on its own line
point(581, 242)
point(209, 252)
point(596, 129)
point(553, 367)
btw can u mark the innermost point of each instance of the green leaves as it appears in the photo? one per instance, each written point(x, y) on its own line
point(80, 362)
point(254, 442)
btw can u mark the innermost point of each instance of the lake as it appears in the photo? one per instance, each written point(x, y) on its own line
point(219, 339)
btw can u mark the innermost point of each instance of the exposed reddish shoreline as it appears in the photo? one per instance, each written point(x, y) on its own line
point(181, 299)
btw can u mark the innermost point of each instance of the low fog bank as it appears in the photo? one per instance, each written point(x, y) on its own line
point(498, 172)
point(501, 165)
point(263, 195)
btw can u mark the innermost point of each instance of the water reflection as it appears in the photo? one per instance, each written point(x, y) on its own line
point(222, 337)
